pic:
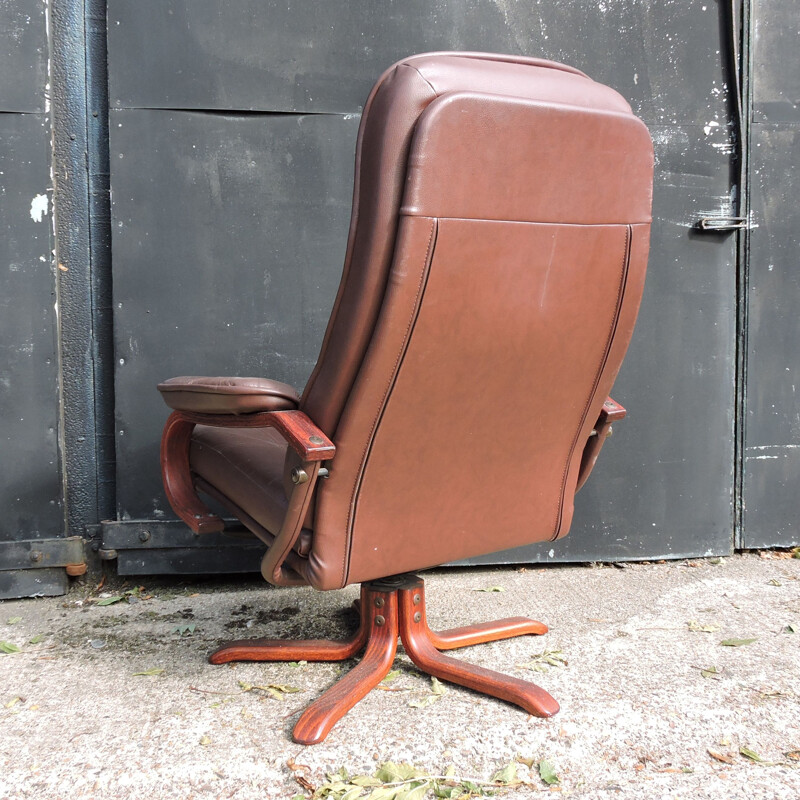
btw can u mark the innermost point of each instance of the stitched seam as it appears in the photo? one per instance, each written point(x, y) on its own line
point(381, 407)
point(626, 258)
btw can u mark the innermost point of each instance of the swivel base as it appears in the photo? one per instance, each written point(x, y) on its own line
point(389, 608)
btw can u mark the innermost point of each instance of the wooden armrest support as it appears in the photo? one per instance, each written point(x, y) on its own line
point(302, 435)
point(610, 412)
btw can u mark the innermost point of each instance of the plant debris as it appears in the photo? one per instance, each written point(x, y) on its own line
point(437, 690)
point(9, 647)
point(184, 630)
point(541, 662)
point(699, 627)
point(725, 758)
point(737, 642)
point(547, 773)
point(490, 589)
point(149, 672)
point(275, 690)
point(403, 781)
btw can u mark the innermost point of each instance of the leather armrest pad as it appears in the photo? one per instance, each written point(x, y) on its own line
point(228, 395)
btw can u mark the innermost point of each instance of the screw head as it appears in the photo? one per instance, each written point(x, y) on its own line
point(36, 556)
point(379, 620)
point(417, 617)
point(144, 536)
point(314, 439)
point(299, 476)
point(417, 599)
point(379, 601)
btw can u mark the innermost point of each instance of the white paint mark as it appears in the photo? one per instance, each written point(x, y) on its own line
point(551, 554)
point(635, 78)
point(39, 207)
point(710, 127)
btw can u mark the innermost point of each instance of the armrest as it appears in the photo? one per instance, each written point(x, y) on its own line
point(302, 435)
point(227, 395)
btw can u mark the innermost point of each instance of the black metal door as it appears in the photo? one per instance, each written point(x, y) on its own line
point(232, 136)
point(772, 401)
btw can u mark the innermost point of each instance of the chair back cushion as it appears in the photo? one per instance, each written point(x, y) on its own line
point(494, 270)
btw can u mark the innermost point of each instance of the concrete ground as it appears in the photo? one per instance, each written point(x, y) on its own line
point(118, 701)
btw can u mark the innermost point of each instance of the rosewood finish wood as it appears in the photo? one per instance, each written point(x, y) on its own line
point(177, 477)
point(303, 436)
point(415, 635)
point(392, 608)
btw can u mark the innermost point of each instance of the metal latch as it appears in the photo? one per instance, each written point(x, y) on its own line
point(721, 224)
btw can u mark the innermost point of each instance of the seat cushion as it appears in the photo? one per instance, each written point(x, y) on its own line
point(246, 466)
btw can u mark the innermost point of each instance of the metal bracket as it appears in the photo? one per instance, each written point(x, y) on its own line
point(722, 224)
point(39, 567)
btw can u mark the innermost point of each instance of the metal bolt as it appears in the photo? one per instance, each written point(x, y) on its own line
point(379, 601)
point(299, 476)
point(417, 617)
point(36, 556)
point(144, 536)
point(316, 439)
point(379, 620)
point(417, 599)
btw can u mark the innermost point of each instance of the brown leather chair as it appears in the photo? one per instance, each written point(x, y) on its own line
point(494, 269)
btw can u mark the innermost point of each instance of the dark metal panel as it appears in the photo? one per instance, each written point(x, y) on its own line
point(776, 67)
point(663, 483)
point(30, 487)
point(33, 583)
point(81, 195)
point(229, 234)
point(23, 55)
point(144, 547)
point(324, 57)
point(772, 430)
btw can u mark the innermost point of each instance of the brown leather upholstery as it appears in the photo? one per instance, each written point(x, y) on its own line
point(494, 269)
point(228, 395)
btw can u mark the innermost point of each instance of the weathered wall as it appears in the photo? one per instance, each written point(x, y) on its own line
point(232, 135)
point(30, 486)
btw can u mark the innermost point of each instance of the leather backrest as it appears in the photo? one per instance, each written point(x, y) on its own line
point(494, 269)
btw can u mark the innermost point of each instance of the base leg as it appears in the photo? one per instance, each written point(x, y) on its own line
point(301, 650)
point(414, 633)
point(379, 609)
point(485, 632)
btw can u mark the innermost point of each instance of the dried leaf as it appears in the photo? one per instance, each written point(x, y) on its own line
point(14, 620)
point(389, 772)
point(528, 762)
point(709, 627)
point(506, 775)
point(723, 757)
point(205, 741)
point(737, 642)
point(793, 755)
point(182, 630)
point(14, 700)
point(109, 601)
point(547, 773)
point(437, 687)
point(751, 754)
point(395, 673)
point(8, 648)
point(709, 671)
point(774, 582)
point(490, 589)
point(149, 672)
point(540, 662)
point(792, 627)
point(36, 639)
